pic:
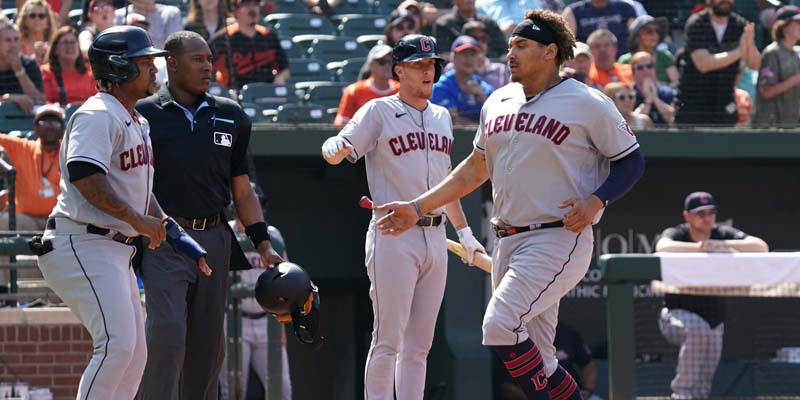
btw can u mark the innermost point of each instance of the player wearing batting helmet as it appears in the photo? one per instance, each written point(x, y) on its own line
point(107, 173)
point(200, 145)
point(581, 162)
point(406, 141)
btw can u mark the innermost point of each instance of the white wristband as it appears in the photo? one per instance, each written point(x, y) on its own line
point(464, 232)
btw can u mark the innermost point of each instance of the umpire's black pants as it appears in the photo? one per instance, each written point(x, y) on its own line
point(185, 317)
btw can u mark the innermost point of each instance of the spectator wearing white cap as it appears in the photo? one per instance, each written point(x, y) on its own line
point(461, 91)
point(378, 84)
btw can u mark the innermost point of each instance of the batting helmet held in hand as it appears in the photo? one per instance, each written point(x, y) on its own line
point(416, 47)
point(113, 50)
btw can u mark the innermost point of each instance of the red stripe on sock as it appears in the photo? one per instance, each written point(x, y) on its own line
point(560, 388)
point(567, 393)
point(527, 367)
point(521, 359)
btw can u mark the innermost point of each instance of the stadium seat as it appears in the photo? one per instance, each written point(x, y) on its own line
point(292, 49)
point(70, 109)
point(12, 118)
point(302, 113)
point(255, 112)
point(369, 41)
point(354, 7)
point(267, 95)
point(348, 70)
point(10, 13)
point(359, 24)
point(289, 25)
point(307, 70)
point(340, 48)
point(327, 94)
point(290, 6)
point(75, 16)
point(303, 42)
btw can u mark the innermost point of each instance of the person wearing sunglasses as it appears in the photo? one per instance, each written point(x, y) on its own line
point(99, 17)
point(652, 98)
point(401, 23)
point(36, 23)
point(644, 36)
point(624, 98)
point(695, 323)
point(379, 83)
point(60, 7)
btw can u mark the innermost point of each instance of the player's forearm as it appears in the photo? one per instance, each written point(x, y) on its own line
point(30, 89)
point(245, 200)
point(99, 193)
point(456, 215)
point(468, 176)
point(750, 244)
point(155, 209)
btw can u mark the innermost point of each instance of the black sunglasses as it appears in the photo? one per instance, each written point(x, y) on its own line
point(37, 15)
point(640, 67)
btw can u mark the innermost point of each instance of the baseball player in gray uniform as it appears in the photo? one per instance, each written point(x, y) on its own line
point(557, 152)
point(106, 201)
point(406, 141)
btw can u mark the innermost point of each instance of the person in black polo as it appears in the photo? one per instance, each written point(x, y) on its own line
point(695, 323)
point(199, 146)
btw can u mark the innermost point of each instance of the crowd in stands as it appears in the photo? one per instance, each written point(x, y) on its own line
point(710, 66)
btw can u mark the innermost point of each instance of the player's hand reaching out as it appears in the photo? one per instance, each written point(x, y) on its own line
point(335, 149)
point(269, 257)
point(582, 212)
point(402, 216)
point(152, 229)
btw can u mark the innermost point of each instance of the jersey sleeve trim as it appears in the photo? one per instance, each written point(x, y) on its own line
point(90, 161)
point(625, 152)
point(353, 158)
point(479, 148)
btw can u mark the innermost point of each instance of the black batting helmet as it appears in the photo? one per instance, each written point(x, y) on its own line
point(112, 51)
point(416, 47)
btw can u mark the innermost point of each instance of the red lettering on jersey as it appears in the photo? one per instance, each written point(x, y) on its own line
point(393, 146)
point(420, 138)
point(139, 156)
point(561, 135)
point(497, 124)
point(528, 127)
point(550, 129)
point(508, 121)
point(520, 125)
point(403, 145)
point(539, 380)
point(412, 143)
point(123, 160)
point(537, 128)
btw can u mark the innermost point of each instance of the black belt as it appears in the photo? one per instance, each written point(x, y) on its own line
point(96, 230)
point(513, 230)
point(198, 224)
point(253, 315)
point(430, 221)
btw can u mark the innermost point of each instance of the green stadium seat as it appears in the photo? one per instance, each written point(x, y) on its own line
point(292, 49)
point(327, 94)
point(289, 25)
point(369, 41)
point(290, 6)
point(256, 113)
point(12, 118)
point(70, 109)
point(75, 16)
point(354, 7)
point(267, 95)
point(304, 69)
point(359, 24)
point(305, 41)
point(10, 13)
point(302, 113)
point(340, 48)
point(348, 70)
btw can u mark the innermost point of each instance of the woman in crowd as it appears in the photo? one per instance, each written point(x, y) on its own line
point(644, 36)
point(624, 98)
point(66, 77)
point(60, 7)
point(206, 17)
point(36, 22)
point(99, 17)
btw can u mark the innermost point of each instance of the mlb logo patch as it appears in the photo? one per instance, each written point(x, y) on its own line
point(223, 139)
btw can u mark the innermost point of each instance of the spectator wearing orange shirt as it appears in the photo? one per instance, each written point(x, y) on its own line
point(603, 46)
point(66, 77)
point(37, 168)
point(379, 84)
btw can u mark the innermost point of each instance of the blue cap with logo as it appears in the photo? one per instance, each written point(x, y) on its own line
point(698, 201)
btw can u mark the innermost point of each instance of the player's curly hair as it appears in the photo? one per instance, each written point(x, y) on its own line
point(565, 40)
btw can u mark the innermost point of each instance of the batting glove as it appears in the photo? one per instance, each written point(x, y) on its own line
point(333, 146)
point(471, 245)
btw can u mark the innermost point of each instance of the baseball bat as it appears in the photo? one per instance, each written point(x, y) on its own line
point(480, 260)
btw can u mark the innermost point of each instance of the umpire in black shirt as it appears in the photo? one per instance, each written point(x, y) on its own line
point(199, 144)
point(695, 323)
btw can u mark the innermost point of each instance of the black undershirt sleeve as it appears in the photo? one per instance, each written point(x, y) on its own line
point(81, 169)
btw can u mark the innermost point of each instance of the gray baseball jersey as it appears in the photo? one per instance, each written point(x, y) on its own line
point(407, 151)
point(102, 132)
point(546, 150)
